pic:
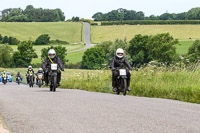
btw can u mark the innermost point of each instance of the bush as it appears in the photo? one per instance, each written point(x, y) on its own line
point(93, 58)
point(57, 41)
point(9, 40)
point(194, 52)
point(24, 55)
point(13, 41)
point(42, 40)
point(5, 56)
point(150, 22)
point(161, 47)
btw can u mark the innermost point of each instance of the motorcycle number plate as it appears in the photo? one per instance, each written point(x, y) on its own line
point(54, 66)
point(122, 72)
point(40, 76)
point(4, 78)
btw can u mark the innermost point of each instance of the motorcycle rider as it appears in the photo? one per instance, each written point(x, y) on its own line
point(51, 59)
point(119, 61)
point(30, 71)
point(4, 74)
point(40, 71)
point(18, 75)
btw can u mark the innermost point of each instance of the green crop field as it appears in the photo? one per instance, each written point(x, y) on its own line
point(65, 31)
point(110, 33)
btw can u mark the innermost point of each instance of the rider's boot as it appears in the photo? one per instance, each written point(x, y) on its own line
point(114, 89)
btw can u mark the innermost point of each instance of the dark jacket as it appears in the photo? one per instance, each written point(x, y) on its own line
point(18, 75)
point(47, 63)
point(120, 63)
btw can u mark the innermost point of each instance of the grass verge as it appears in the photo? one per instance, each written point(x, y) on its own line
point(179, 84)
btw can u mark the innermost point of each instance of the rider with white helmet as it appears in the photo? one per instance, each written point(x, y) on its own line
point(119, 61)
point(40, 71)
point(30, 71)
point(47, 63)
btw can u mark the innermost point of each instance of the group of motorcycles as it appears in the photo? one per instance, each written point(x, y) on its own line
point(52, 76)
point(40, 79)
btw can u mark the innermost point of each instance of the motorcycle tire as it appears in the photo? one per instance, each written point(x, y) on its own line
point(125, 87)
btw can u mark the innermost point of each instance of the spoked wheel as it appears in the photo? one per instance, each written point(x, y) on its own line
point(125, 87)
point(54, 83)
point(31, 82)
point(40, 83)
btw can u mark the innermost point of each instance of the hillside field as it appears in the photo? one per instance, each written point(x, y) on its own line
point(111, 33)
point(66, 31)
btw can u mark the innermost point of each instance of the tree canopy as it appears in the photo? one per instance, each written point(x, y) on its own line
point(31, 14)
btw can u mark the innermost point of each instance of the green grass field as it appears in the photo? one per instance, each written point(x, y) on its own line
point(110, 33)
point(65, 31)
point(75, 57)
point(183, 48)
point(169, 83)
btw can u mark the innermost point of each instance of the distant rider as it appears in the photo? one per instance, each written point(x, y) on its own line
point(30, 71)
point(40, 71)
point(4, 74)
point(119, 61)
point(18, 75)
point(51, 59)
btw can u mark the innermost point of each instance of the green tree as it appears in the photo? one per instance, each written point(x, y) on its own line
point(5, 56)
point(93, 58)
point(24, 55)
point(193, 14)
point(1, 38)
point(194, 52)
point(138, 49)
point(5, 39)
point(161, 47)
point(60, 52)
point(75, 19)
point(42, 40)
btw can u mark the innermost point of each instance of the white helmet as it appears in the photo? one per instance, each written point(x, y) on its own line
point(120, 51)
point(40, 69)
point(52, 53)
point(4, 71)
point(29, 67)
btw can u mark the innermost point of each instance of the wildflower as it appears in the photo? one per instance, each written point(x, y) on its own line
point(181, 57)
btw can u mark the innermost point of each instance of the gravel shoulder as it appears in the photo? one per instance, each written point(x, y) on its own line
point(3, 129)
point(36, 110)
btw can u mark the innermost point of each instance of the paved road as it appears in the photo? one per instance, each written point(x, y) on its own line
point(86, 37)
point(34, 110)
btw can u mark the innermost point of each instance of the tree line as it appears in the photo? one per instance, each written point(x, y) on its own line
point(31, 14)
point(25, 53)
point(140, 51)
point(124, 14)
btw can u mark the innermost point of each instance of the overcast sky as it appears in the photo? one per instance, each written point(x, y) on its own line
point(87, 8)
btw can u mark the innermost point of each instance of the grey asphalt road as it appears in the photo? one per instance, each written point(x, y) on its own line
point(86, 38)
point(36, 110)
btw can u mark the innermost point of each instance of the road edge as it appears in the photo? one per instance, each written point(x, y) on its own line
point(3, 126)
